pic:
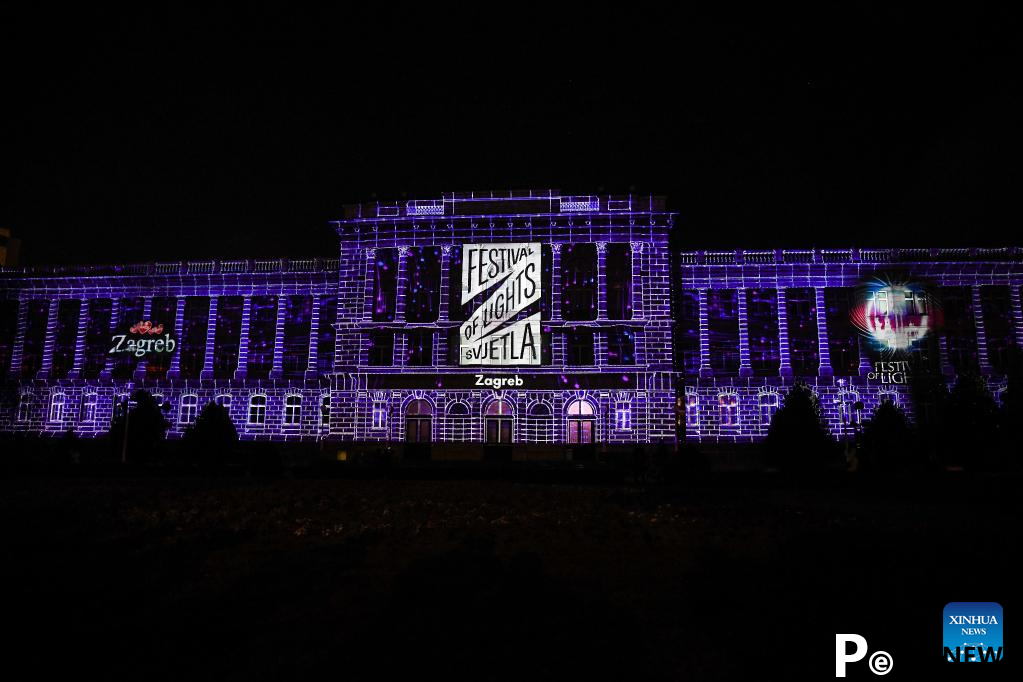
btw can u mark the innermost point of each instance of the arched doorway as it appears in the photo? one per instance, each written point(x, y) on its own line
point(582, 422)
point(498, 423)
point(418, 422)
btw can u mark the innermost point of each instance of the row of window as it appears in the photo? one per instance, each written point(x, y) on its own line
point(498, 421)
point(848, 404)
point(188, 411)
point(579, 288)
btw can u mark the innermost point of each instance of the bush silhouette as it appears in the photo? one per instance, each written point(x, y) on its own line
point(969, 424)
point(888, 443)
point(147, 428)
point(212, 437)
point(798, 437)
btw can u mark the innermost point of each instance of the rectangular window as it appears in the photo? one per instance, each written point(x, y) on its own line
point(996, 308)
point(618, 267)
point(327, 333)
point(298, 314)
point(65, 337)
point(454, 345)
point(8, 332)
point(262, 334)
point(130, 311)
point(35, 338)
point(579, 281)
point(385, 285)
point(98, 331)
point(579, 347)
point(801, 315)
point(723, 330)
point(325, 410)
point(621, 346)
point(960, 328)
point(292, 409)
point(420, 348)
point(422, 289)
point(379, 415)
point(88, 411)
point(227, 336)
point(687, 337)
point(24, 406)
point(762, 322)
point(623, 418)
point(257, 409)
point(57, 403)
point(381, 348)
point(189, 409)
point(843, 338)
point(192, 337)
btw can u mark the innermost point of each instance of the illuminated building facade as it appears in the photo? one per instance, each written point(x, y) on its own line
point(854, 324)
point(517, 319)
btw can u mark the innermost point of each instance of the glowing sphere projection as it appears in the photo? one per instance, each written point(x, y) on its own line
point(895, 315)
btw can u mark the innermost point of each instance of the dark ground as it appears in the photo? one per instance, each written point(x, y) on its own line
point(733, 576)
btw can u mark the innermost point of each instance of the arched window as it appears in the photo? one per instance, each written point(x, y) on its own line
point(189, 408)
point(292, 409)
point(224, 400)
point(459, 425)
point(87, 414)
point(582, 422)
point(728, 409)
point(24, 406)
point(540, 423)
point(58, 401)
point(419, 421)
point(499, 421)
point(257, 409)
point(768, 406)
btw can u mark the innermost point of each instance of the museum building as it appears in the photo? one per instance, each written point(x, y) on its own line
point(514, 319)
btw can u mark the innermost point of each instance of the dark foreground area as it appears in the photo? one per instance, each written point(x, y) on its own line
point(728, 576)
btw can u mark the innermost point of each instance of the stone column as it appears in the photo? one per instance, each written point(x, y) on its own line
point(314, 340)
point(115, 321)
point(947, 369)
point(785, 364)
point(83, 325)
point(1017, 314)
point(277, 368)
point(174, 371)
point(147, 314)
point(445, 282)
point(49, 339)
point(243, 340)
point(745, 367)
point(211, 337)
point(864, 350)
point(638, 309)
point(402, 283)
point(556, 282)
point(823, 349)
point(601, 280)
point(705, 369)
point(978, 318)
point(19, 338)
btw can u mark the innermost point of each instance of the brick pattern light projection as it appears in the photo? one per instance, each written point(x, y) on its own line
point(369, 346)
point(751, 323)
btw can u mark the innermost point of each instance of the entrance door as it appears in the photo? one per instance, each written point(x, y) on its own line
point(582, 422)
point(499, 430)
point(418, 429)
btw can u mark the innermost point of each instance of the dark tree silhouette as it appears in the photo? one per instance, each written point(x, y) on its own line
point(928, 394)
point(1011, 415)
point(146, 425)
point(212, 437)
point(798, 438)
point(888, 442)
point(969, 425)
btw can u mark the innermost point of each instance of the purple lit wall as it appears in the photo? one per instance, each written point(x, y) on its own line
point(373, 334)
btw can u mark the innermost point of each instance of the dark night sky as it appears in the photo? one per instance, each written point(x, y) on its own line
point(174, 136)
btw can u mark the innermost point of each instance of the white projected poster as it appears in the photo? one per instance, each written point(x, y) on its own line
point(493, 335)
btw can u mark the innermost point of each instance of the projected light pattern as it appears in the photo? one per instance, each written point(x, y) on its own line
point(365, 347)
point(895, 316)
